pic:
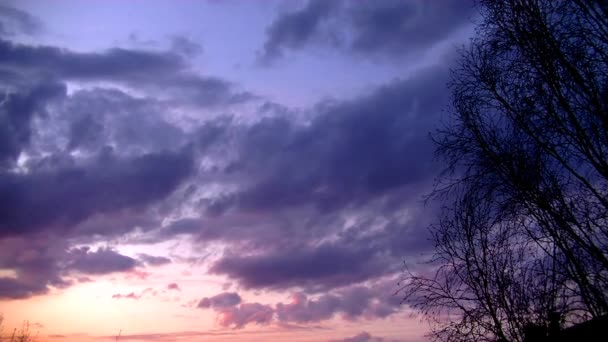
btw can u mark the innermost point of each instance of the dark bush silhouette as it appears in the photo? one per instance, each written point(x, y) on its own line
point(22, 334)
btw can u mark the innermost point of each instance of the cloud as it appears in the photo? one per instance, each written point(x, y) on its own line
point(104, 192)
point(318, 268)
point(293, 29)
point(173, 287)
point(370, 248)
point(15, 289)
point(100, 116)
point(220, 301)
point(36, 266)
point(398, 27)
point(115, 63)
point(101, 261)
point(65, 196)
point(363, 336)
point(392, 28)
point(366, 158)
point(164, 73)
point(41, 262)
point(327, 203)
point(314, 203)
point(185, 46)
point(152, 260)
point(137, 274)
point(239, 316)
point(351, 303)
point(351, 151)
point(15, 21)
point(97, 162)
point(131, 295)
point(233, 313)
point(17, 110)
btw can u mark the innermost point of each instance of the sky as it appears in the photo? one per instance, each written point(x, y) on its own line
point(220, 170)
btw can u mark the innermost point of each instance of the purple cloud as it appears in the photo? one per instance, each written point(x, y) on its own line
point(296, 28)
point(66, 196)
point(131, 295)
point(318, 268)
point(390, 28)
point(152, 260)
point(317, 206)
point(101, 261)
point(16, 113)
point(14, 21)
point(41, 262)
point(363, 336)
point(221, 301)
point(239, 316)
point(351, 303)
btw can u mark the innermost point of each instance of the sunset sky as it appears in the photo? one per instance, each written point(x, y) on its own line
point(219, 170)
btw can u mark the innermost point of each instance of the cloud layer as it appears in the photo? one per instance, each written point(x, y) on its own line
point(393, 28)
point(108, 152)
point(374, 301)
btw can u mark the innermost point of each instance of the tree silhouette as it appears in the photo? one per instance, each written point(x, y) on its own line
point(523, 240)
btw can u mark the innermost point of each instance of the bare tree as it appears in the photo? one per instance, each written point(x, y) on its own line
point(524, 236)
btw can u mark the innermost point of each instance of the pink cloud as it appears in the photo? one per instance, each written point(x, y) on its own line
point(131, 295)
point(239, 316)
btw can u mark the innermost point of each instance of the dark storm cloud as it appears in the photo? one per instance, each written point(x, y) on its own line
point(393, 27)
point(35, 263)
point(14, 289)
point(17, 110)
point(323, 267)
point(352, 151)
point(398, 27)
point(291, 255)
point(290, 180)
point(294, 29)
point(14, 21)
point(115, 63)
point(98, 117)
point(101, 261)
point(63, 197)
point(41, 262)
point(220, 301)
point(166, 73)
point(371, 155)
